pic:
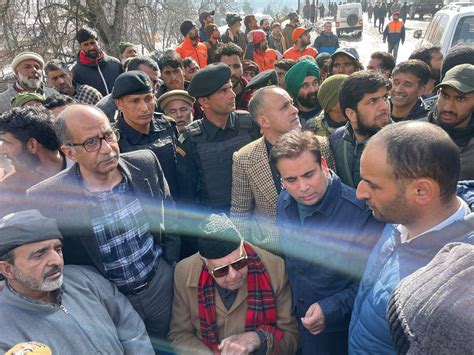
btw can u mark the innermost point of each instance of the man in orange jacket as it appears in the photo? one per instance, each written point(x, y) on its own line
point(191, 47)
point(258, 51)
point(302, 39)
point(394, 32)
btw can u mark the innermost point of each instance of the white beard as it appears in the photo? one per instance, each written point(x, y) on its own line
point(32, 84)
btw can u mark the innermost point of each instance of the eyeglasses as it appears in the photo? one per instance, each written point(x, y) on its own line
point(238, 264)
point(95, 143)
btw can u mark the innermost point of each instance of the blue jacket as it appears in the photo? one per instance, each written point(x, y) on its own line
point(326, 256)
point(389, 263)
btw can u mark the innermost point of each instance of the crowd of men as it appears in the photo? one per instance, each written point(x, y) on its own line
point(244, 193)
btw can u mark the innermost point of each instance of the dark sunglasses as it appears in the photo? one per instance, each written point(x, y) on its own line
point(238, 264)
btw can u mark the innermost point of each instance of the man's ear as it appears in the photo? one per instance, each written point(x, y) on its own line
point(204, 102)
point(6, 269)
point(32, 145)
point(262, 121)
point(424, 190)
point(69, 152)
point(119, 104)
point(351, 115)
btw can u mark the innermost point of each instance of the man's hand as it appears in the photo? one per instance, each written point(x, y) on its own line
point(314, 319)
point(241, 344)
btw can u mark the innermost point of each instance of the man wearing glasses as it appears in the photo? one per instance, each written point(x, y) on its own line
point(110, 209)
point(231, 297)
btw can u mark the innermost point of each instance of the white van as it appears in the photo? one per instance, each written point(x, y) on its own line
point(349, 18)
point(451, 26)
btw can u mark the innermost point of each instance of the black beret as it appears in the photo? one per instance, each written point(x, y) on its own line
point(26, 227)
point(132, 82)
point(186, 27)
point(209, 79)
point(218, 237)
point(265, 78)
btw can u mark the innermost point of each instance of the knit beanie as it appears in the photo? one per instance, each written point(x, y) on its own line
point(25, 97)
point(328, 94)
point(295, 76)
point(457, 55)
point(218, 237)
point(432, 310)
point(124, 45)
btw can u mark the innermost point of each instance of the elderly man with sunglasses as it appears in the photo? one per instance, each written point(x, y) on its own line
point(110, 209)
point(231, 297)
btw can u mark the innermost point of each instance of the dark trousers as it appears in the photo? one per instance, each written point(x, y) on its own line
point(154, 304)
point(393, 48)
point(381, 23)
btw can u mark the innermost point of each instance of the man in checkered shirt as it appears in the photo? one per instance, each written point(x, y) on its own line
point(60, 78)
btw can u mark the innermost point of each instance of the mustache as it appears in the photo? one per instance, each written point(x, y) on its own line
point(53, 270)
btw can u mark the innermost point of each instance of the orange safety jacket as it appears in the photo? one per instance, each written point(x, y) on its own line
point(198, 53)
point(295, 54)
point(265, 60)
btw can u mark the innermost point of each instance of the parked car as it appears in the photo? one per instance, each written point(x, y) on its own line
point(451, 26)
point(349, 18)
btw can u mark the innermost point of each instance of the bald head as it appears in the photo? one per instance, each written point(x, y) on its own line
point(420, 150)
point(73, 117)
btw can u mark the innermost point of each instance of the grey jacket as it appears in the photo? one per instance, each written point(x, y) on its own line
point(7, 96)
point(92, 317)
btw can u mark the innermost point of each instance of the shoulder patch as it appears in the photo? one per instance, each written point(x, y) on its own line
point(180, 151)
point(192, 129)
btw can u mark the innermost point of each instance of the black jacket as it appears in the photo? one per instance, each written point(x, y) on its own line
point(91, 74)
point(62, 197)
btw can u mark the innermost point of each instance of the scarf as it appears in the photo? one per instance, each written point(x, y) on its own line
point(86, 60)
point(261, 308)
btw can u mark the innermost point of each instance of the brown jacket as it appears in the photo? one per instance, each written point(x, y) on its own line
point(185, 333)
point(254, 196)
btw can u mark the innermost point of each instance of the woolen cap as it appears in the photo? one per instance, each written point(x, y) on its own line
point(298, 32)
point(26, 227)
point(328, 94)
point(258, 36)
point(186, 26)
point(124, 45)
point(461, 78)
point(432, 310)
point(209, 79)
point(25, 56)
point(172, 95)
point(231, 19)
point(133, 82)
point(25, 97)
point(218, 237)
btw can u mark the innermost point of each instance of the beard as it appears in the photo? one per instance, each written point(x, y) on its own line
point(31, 84)
point(365, 130)
point(308, 101)
point(193, 36)
point(43, 285)
point(25, 160)
point(92, 54)
point(306, 41)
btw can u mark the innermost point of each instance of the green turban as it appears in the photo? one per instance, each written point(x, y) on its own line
point(124, 45)
point(295, 76)
point(25, 97)
point(328, 94)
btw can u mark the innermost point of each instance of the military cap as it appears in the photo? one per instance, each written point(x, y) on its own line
point(133, 82)
point(26, 227)
point(461, 78)
point(265, 78)
point(209, 79)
